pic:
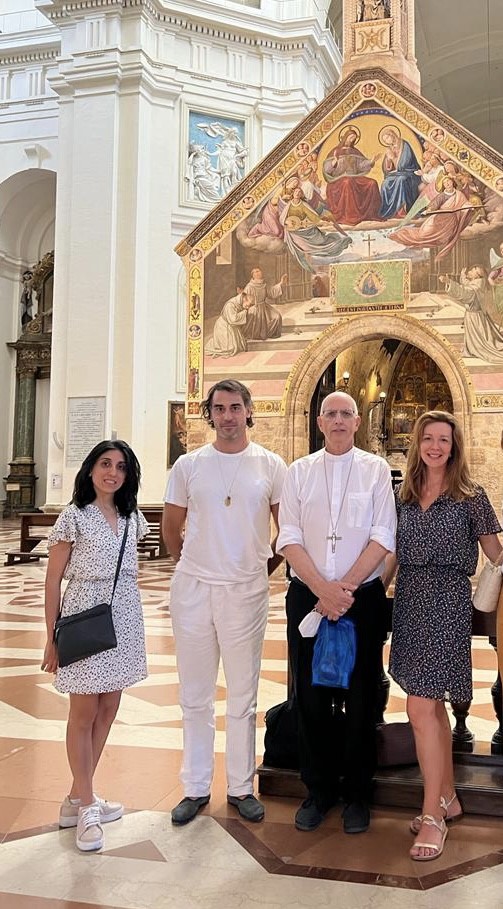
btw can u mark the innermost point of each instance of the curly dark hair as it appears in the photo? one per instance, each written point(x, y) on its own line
point(234, 387)
point(124, 498)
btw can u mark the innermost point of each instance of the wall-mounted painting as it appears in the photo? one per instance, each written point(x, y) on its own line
point(177, 431)
point(215, 156)
point(364, 286)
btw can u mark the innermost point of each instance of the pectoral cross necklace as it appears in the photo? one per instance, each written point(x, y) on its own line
point(334, 524)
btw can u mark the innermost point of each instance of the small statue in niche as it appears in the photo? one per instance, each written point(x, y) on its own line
point(28, 298)
point(370, 10)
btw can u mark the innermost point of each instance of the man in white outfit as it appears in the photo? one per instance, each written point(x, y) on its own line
point(224, 495)
point(337, 523)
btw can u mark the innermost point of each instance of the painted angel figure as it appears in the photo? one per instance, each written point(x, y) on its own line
point(230, 154)
point(303, 237)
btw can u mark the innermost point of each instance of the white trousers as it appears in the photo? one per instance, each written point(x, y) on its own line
point(212, 621)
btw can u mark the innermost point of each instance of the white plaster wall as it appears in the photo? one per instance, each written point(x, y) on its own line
point(109, 114)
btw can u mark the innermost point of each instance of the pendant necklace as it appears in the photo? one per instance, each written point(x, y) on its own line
point(334, 524)
point(228, 497)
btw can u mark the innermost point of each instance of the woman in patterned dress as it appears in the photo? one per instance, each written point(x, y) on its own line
point(442, 516)
point(84, 547)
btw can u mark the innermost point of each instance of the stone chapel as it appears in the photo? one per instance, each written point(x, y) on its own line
point(366, 222)
point(364, 252)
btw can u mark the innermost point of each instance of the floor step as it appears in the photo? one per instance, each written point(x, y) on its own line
point(479, 784)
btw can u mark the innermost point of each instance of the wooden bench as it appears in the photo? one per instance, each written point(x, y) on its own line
point(151, 544)
point(31, 536)
point(17, 555)
point(29, 542)
point(154, 540)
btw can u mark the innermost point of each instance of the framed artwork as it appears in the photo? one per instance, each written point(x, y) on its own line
point(370, 286)
point(215, 156)
point(177, 431)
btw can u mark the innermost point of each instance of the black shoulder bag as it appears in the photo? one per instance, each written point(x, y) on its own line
point(90, 631)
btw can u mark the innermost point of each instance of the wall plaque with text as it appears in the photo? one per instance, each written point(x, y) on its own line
point(85, 427)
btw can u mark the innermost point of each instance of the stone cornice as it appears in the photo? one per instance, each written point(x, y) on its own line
point(29, 55)
point(243, 30)
point(42, 105)
point(112, 75)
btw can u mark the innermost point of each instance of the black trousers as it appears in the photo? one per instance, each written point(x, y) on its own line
point(337, 748)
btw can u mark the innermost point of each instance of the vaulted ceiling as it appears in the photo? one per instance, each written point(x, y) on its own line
point(459, 49)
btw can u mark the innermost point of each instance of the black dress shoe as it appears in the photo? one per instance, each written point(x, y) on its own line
point(187, 809)
point(356, 817)
point(249, 808)
point(308, 817)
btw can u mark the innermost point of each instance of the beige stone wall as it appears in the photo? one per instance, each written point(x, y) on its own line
point(288, 433)
point(486, 456)
point(267, 431)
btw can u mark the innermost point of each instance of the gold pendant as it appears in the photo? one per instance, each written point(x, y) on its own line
point(227, 501)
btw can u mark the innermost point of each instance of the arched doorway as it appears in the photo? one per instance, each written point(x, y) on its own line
point(27, 221)
point(401, 332)
point(393, 382)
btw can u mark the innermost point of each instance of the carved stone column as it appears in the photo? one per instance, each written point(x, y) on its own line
point(33, 360)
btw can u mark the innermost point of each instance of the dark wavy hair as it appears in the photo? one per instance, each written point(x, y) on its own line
point(124, 498)
point(235, 388)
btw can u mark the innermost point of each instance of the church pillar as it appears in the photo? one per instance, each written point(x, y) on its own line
point(20, 484)
point(25, 413)
point(118, 158)
point(33, 353)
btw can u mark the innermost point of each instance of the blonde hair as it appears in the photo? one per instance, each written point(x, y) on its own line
point(459, 483)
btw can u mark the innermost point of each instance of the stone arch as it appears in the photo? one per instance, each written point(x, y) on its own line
point(27, 214)
point(317, 356)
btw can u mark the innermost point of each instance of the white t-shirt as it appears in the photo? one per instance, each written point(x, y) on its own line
point(313, 503)
point(226, 544)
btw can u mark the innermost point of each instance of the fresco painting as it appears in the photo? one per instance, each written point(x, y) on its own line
point(370, 189)
point(382, 286)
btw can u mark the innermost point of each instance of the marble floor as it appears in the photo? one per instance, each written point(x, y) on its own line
point(218, 860)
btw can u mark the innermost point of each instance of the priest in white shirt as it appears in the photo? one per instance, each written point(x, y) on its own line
point(337, 523)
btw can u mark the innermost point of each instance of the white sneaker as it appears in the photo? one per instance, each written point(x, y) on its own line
point(89, 830)
point(69, 811)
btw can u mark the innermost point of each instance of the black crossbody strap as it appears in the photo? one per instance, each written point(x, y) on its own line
point(119, 560)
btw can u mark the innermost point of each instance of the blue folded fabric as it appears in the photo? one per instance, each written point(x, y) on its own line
point(334, 653)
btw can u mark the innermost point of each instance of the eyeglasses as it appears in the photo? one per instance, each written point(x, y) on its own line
point(333, 414)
